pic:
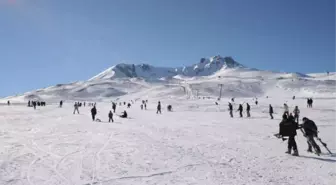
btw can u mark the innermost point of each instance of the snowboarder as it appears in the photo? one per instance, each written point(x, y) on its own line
point(240, 109)
point(248, 108)
point(296, 114)
point(288, 128)
point(124, 115)
point(271, 111)
point(61, 104)
point(93, 113)
point(110, 116)
point(230, 109)
point(158, 108)
point(76, 108)
point(310, 130)
point(286, 110)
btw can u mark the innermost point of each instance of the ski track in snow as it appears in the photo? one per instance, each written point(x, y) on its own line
point(196, 144)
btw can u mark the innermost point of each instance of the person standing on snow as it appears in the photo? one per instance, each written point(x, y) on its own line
point(248, 108)
point(230, 109)
point(240, 109)
point(271, 111)
point(61, 104)
point(288, 128)
point(311, 131)
point(114, 107)
point(158, 108)
point(296, 114)
point(286, 110)
point(110, 116)
point(93, 113)
point(76, 108)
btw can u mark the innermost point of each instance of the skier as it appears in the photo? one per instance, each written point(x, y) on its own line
point(240, 109)
point(311, 102)
point(293, 97)
point(271, 111)
point(114, 107)
point(308, 102)
point(8, 103)
point(124, 114)
point(230, 109)
point(84, 104)
point(158, 108)
point(110, 115)
point(288, 128)
point(286, 109)
point(93, 113)
point(256, 102)
point(61, 104)
point(76, 108)
point(296, 114)
point(311, 131)
point(29, 103)
point(248, 108)
point(232, 99)
point(128, 105)
point(145, 106)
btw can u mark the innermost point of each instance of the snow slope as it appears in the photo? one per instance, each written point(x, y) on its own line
point(196, 144)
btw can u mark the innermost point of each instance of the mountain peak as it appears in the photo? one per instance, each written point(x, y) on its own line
point(205, 67)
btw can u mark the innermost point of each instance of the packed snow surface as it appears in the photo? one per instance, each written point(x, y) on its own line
point(197, 143)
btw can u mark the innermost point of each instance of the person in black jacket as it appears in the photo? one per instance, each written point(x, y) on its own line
point(271, 111)
point(110, 116)
point(93, 113)
point(230, 109)
point(124, 115)
point(248, 108)
point(158, 108)
point(311, 131)
point(240, 109)
point(288, 128)
point(114, 107)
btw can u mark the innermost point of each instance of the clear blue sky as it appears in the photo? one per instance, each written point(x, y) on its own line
point(45, 42)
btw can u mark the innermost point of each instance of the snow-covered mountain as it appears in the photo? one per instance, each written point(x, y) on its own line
point(205, 67)
point(201, 79)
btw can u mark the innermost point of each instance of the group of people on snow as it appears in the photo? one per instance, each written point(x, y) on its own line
point(310, 102)
point(240, 109)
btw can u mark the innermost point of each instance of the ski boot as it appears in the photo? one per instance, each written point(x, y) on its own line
point(309, 150)
point(295, 153)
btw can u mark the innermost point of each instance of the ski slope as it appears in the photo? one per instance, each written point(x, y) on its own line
point(197, 143)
